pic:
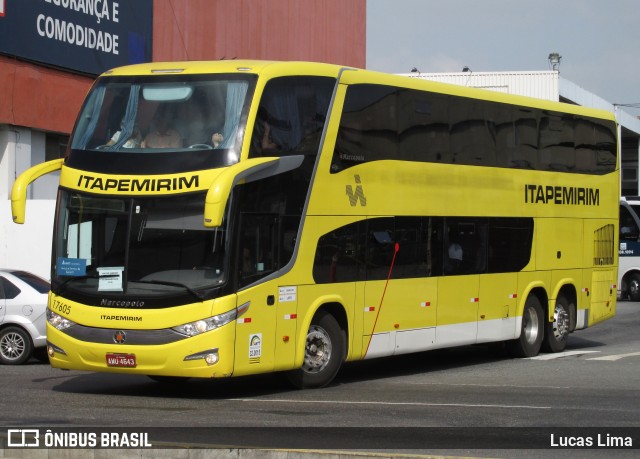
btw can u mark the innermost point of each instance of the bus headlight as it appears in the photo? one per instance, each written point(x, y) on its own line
point(57, 321)
point(211, 323)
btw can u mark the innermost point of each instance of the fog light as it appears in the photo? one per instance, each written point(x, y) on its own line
point(210, 356)
point(52, 349)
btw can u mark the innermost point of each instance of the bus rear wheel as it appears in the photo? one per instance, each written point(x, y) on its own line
point(532, 330)
point(323, 355)
point(556, 332)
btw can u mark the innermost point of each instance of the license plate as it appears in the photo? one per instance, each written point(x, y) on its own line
point(121, 360)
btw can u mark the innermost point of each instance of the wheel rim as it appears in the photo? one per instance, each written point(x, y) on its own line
point(318, 350)
point(531, 325)
point(560, 323)
point(12, 346)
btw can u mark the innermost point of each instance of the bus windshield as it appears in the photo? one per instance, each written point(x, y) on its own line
point(142, 115)
point(151, 247)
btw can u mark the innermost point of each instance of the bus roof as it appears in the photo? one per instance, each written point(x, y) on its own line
point(225, 66)
point(277, 68)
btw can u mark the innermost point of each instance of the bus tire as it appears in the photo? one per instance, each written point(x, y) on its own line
point(323, 355)
point(633, 287)
point(15, 346)
point(531, 332)
point(556, 332)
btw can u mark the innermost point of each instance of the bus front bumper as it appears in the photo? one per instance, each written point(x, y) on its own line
point(209, 355)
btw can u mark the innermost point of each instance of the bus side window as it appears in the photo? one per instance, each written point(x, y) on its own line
point(465, 247)
point(628, 227)
point(291, 116)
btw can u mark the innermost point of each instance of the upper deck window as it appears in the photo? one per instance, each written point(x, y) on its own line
point(390, 123)
point(291, 116)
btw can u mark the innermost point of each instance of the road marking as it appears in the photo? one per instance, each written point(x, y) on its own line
point(340, 402)
point(559, 355)
point(482, 385)
point(613, 358)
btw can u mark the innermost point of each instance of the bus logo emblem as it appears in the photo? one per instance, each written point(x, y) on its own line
point(119, 337)
point(358, 195)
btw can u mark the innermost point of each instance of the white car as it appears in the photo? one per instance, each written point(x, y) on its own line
point(23, 304)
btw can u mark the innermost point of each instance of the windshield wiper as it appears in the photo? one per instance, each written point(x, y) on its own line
point(73, 278)
point(173, 284)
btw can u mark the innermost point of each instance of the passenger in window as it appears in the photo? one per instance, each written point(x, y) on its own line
point(132, 142)
point(454, 257)
point(267, 141)
point(164, 136)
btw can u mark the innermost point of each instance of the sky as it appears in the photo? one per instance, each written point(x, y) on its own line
point(599, 40)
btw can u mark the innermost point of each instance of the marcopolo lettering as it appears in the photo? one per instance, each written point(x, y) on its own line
point(132, 185)
point(561, 195)
point(122, 303)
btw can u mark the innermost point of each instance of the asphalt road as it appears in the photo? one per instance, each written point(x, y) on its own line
point(464, 401)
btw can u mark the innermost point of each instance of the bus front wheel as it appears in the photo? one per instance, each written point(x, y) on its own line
point(323, 354)
point(532, 330)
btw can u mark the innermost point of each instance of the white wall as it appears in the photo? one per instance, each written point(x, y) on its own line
point(539, 84)
point(27, 246)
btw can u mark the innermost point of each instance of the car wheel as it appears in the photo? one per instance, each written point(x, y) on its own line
point(15, 346)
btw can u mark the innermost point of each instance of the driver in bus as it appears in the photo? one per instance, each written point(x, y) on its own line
point(164, 136)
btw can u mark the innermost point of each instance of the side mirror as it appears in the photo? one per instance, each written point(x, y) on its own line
point(19, 190)
point(245, 171)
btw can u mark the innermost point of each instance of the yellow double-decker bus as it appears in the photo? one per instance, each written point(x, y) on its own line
point(228, 218)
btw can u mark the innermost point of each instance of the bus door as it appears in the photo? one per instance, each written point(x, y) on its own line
point(256, 329)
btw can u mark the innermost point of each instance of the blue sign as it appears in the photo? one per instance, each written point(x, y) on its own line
point(71, 267)
point(89, 36)
point(629, 248)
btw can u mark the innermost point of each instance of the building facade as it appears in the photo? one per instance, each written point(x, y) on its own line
point(52, 50)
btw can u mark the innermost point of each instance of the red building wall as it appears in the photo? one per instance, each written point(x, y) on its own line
point(331, 31)
point(314, 30)
point(39, 97)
